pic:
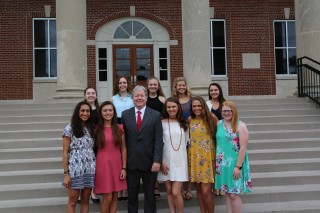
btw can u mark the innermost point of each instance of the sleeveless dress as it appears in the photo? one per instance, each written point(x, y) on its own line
point(155, 103)
point(186, 107)
point(109, 165)
point(82, 161)
point(174, 152)
point(201, 153)
point(227, 156)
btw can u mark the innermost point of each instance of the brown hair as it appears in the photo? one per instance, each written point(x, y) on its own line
point(182, 121)
point(205, 115)
point(96, 102)
point(116, 85)
point(116, 132)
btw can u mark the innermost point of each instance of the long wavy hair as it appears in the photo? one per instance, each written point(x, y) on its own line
point(159, 91)
point(116, 85)
point(96, 102)
point(234, 120)
point(77, 124)
point(182, 121)
point(205, 115)
point(116, 132)
point(174, 88)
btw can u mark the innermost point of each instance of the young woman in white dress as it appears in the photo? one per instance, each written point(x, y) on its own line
point(174, 168)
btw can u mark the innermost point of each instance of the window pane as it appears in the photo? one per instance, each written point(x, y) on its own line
point(143, 75)
point(121, 34)
point(102, 64)
point(53, 63)
point(127, 27)
point(292, 61)
point(102, 53)
point(122, 65)
point(137, 26)
point(103, 75)
point(143, 64)
point(40, 33)
point(280, 34)
point(122, 53)
point(163, 52)
point(125, 73)
point(163, 75)
point(163, 63)
point(219, 63)
point(143, 52)
point(218, 33)
point(281, 61)
point(41, 64)
point(144, 34)
point(291, 34)
point(53, 34)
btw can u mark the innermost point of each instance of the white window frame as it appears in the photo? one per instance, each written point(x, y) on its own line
point(284, 48)
point(213, 48)
point(49, 48)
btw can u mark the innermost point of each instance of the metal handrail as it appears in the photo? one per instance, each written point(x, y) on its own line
point(308, 79)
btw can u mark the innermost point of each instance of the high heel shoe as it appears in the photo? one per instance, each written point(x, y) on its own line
point(95, 200)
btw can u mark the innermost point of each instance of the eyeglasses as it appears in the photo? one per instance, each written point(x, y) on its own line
point(227, 111)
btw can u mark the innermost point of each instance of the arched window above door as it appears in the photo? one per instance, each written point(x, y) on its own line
point(132, 30)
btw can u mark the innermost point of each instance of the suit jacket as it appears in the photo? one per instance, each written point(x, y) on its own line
point(144, 147)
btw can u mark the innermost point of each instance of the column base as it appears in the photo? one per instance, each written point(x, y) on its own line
point(199, 90)
point(69, 94)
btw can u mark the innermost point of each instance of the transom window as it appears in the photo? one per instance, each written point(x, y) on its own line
point(285, 47)
point(132, 30)
point(44, 48)
point(218, 47)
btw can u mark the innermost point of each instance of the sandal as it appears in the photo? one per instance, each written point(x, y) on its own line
point(187, 195)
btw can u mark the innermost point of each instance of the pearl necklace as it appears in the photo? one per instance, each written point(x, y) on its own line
point(171, 139)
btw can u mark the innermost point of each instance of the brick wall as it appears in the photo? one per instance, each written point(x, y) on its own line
point(249, 29)
point(249, 26)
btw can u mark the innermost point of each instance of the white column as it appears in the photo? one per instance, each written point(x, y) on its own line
point(72, 48)
point(308, 28)
point(196, 44)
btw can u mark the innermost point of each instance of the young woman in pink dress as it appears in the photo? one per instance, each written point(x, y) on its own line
point(111, 158)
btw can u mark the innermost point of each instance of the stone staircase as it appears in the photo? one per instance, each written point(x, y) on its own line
point(284, 152)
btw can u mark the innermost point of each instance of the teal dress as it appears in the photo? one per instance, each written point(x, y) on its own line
point(226, 158)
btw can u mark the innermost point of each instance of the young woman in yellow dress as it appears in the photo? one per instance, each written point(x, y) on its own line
point(202, 125)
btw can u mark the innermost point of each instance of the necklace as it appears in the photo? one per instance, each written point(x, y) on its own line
point(171, 139)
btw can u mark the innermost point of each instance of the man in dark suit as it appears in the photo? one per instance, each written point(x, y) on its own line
point(143, 130)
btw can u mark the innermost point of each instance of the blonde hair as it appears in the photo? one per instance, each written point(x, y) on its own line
point(159, 91)
point(174, 88)
point(234, 120)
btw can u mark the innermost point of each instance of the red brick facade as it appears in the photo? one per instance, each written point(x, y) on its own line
point(249, 29)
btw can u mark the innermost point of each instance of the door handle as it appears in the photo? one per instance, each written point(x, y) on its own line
point(135, 79)
point(131, 79)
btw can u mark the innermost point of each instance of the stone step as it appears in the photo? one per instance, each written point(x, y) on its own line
point(23, 134)
point(284, 134)
point(285, 178)
point(280, 119)
point(31, 176)
point(31, 153)
point(283, 143)
point(276, 106)
point(280, 112)
point(36, 118)
point(58, 204)
point(292, 100)
point(30, 143)
point(282, 126)
point(303, 164)
point(31, 112)
point(290, 153)
point(32, 126)
point(31, 164)
point(25, 105)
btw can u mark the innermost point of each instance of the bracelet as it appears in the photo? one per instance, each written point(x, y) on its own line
point(124, 168)
point(239, 167)
point(66, 172)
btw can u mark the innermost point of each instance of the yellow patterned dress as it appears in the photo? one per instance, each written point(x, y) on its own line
point(201, 153)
